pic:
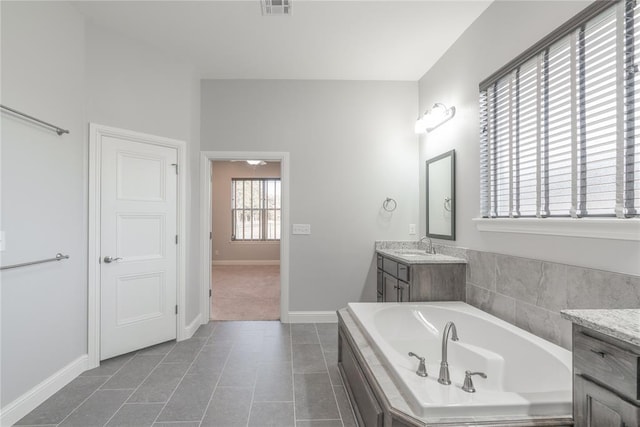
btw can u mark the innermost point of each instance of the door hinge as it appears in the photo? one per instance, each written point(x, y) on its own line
point(209, 293)
point(210, 235)
point(176, 165)
point(176, 308)
point(176, 239)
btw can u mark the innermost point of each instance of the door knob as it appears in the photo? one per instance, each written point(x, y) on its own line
point(109, 259)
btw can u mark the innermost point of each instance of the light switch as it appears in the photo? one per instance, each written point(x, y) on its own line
point(412, 229)
point(301, 228)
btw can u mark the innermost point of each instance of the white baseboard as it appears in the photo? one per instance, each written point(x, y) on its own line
point(192, 327)
point(313, 317)
point(247, 262)
point(26, 403)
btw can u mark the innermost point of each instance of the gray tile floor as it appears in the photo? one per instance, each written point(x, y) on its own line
point(228, 374)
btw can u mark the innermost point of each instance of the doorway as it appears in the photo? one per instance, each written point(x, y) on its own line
point(207, 246)
point(245, 243)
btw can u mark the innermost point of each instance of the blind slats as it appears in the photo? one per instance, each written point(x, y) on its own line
point(558, 132)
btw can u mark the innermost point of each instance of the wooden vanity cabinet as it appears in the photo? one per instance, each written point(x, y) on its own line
point(606, 386)
point(400, 282)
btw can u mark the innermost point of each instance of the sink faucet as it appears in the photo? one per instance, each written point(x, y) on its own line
point(430, 249)
point(444, 366)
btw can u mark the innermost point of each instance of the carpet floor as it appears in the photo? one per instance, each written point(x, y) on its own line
point(245, 292)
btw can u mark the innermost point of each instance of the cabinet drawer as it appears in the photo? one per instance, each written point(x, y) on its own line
point(390, 266)
point(608, 364)
point(403, 272)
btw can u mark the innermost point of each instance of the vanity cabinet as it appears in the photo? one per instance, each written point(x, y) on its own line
point(404, 282)
point(606, 386)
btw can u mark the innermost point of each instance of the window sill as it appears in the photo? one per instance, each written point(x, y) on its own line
point(596, 228)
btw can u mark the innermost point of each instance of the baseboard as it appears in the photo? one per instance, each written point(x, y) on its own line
point(26, 403)
point(192, 327)
point(247, 262)
point(313, 317)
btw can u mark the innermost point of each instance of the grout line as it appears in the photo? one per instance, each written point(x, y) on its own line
point(185, 374)
point(140, 385)
point(333, 390)
point(94, 391)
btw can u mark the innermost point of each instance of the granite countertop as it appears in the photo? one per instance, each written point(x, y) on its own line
point(415, 256)
point(623, 324)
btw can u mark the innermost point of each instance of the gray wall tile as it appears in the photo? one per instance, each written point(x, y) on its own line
point(314, 397)
point(588, 288)
point(543, 323)
point(518, 278)
point(491, 302)
point(481, 269)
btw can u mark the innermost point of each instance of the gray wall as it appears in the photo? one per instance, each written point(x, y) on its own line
point(223, 249)
point(497, 36)
point(131, 85)
point(44, 202)
point(58, 67)
point(351, 145)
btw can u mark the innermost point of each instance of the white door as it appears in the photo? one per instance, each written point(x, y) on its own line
point(138, 245)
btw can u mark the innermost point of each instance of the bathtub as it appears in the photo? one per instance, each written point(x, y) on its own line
point(526, 375)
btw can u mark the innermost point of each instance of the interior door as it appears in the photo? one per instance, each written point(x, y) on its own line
point(138, 185)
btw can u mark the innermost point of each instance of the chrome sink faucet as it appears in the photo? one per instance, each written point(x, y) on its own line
point(430, 249)
point(444, 366)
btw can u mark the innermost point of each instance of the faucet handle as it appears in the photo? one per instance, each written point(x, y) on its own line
point(422, 368)
point(468, 383)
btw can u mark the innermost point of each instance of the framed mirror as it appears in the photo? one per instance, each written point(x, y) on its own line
point(441, 196)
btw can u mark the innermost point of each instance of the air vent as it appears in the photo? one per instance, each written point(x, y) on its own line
point(276, 7)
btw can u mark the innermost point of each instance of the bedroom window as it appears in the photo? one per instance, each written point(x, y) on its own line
point(255, 209)
point(560, 124)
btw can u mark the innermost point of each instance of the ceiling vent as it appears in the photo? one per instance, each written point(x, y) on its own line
point(276, 7)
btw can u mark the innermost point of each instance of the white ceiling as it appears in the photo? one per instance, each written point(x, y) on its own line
point(343, 40)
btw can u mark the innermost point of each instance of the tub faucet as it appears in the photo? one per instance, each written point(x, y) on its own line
point(430, 249)
point(444, 366)
point(422, 368)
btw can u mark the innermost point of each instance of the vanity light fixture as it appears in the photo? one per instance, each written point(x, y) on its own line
point(433, 118)
point(256, 162)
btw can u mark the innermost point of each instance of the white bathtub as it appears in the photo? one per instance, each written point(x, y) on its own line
point(526, 375)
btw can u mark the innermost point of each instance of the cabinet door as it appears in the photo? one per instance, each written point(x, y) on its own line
point(595, 406)
point(404, 294)
point(380, 287)
point(390, 288)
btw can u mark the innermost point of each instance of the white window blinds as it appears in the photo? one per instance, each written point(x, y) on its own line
point(558, 134)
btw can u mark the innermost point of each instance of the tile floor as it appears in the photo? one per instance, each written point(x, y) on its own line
point(228, 374)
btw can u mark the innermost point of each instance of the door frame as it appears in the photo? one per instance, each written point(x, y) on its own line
point(96, 132)
point(206, 157)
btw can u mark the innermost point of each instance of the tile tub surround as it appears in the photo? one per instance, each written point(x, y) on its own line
point(530, 293)
point(235, 373)
point(621, 324)
point(394, 404)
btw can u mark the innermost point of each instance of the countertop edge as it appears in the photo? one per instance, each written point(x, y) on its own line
point(415, 261)
point(615, 330)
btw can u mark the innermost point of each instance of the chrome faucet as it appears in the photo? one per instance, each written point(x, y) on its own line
point(422, 368)
point(444, 366)
point(430, 249)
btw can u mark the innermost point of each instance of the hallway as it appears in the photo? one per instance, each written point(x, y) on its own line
point(245, 292)
point(227, 374)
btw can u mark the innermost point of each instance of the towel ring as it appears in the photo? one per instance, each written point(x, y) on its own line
point(447, 204)
point(389, 204)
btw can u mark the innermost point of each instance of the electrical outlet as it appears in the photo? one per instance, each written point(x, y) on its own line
point(412, 229)
point(301, 228)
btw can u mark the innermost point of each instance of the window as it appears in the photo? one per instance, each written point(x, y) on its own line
point(558, 124)
point(255, 209)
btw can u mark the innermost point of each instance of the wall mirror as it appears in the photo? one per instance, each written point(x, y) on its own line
point(441, 196)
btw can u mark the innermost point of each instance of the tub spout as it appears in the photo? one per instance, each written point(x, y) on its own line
point(450, 327)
